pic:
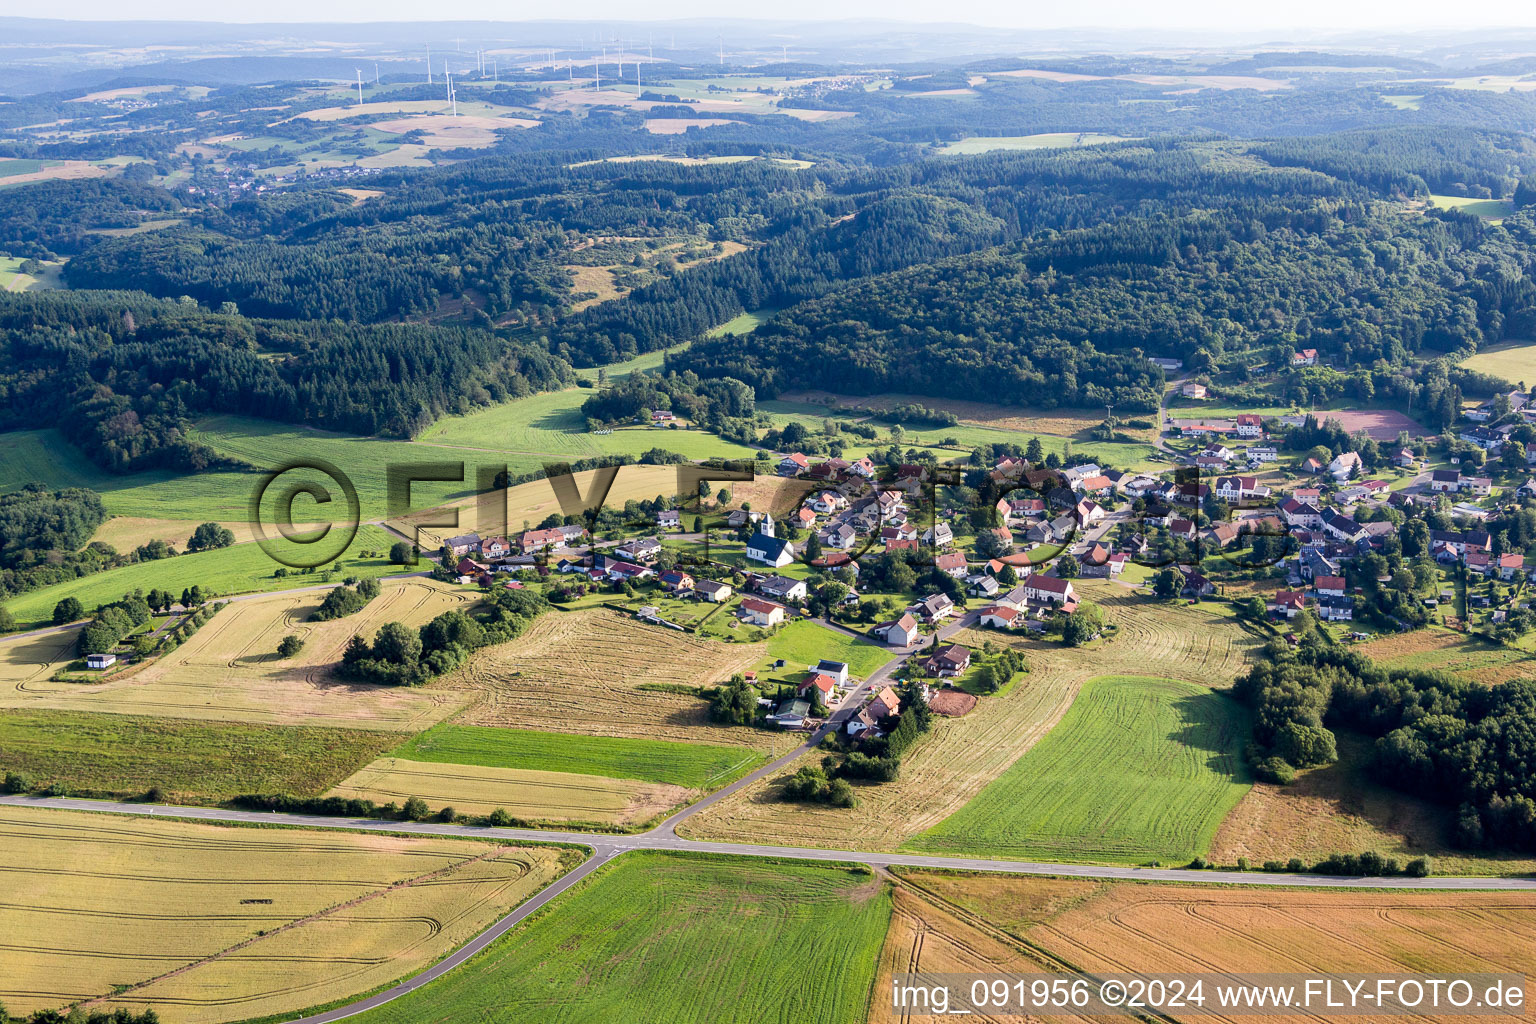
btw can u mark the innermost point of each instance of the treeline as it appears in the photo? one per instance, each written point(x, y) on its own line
point(346, 600)
point(1413, 161)
point(401, 656)
point(1465, 745)
point(722, 404)
point(52, 218)
point(123, 375)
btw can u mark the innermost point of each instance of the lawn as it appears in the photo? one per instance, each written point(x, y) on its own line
point(233, 570)
point(1494, 210)
point(1513, 361)
point(804, 643)
point(1138, 770)
point(193, 762)
point(266, 922)
point(676, 938)
point(695, 765)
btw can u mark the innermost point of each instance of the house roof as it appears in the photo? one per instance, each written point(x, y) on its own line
point(773, 547)
point(1328, 582)
point(1049, 584)
point(798, 459)
point(1001, 611)
point(753, 604)
point(950, 560)
point(906, 623)
point(951, 654)
point(820, 680)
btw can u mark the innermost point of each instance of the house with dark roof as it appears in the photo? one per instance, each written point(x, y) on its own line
point(947, 661)
point(770, 550)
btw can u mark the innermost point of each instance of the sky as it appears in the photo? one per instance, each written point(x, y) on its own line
point(1197, 15)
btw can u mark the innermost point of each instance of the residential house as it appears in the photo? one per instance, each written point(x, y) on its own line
point(1259, 455)
point(838, 670)
point(863, 467)
point(770, 550)
point(1445, 481)
point(1405, 458)
point(1048, 589)
point(951, 562)
point(675, 580)
point(1488, 440)
point(906, 531)
point(761, 613)
point(793, 465)
point(1342, 527)
point(1183, 529)
point(1286, 603)
point(1021, 508)
point(1479, 485)
point(639, 549)
point(1075, 475)
point(982, 585)
point(1196, 585)
point(1302, 514)
point(947, 661)
point(1088, 512)
point(100, 661)
point(1096, 485)
point(818, 685)
point(1347, 464)
point(782, 588)
point(713, 591)
point(1305, 357)
point(469, 567)
point(620, 571)
point(831, 469)
point(791, 714)
point(662, 416)
point(885, 704)
point(938, 535)
point(462, 544)
point(1000, 616)
point(736, 518)
point(803, 517)
point(1236, 488)
point(1329, 586)
point(1527, 489)
point(839, 537)
point(669, 519)
point(1336, 609)
point(1191, 389)
point(1250, 425)
point(898, 632)
point(495, 548)
point(1511, 566)
point(933, 608)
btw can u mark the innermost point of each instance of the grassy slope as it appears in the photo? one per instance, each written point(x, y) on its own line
point(1139, 769)
point(1513, 361)
point(239, 569)
point(697, 765)
point(196, 762)
point(676, 938)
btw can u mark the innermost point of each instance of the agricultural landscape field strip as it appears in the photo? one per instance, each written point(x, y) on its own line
point(125, 901)
point(962, 756)
point(1436, 647)
point(581, 672)
point(695, 765)
point(1513, 361)
point(682, 938)
point(558, 797)
point(1139, 769)
point(230, 669)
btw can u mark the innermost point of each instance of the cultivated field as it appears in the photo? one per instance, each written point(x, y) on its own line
point(1436, 647)
point(1135, 927)
point(582, 672)
point(535, 796)
point(695, 765)
point(128, 532)
point(962, 755)
point(229, 669)
point(1381, 424)
point(1514, 361)
point(1139, 769)
point(124, 756)
point(205, 923)
point(1049, 140)
point(676, 938)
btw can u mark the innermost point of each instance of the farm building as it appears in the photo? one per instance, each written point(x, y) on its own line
point(100, 661)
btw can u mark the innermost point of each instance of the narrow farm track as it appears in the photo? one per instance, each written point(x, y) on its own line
point(606, 847)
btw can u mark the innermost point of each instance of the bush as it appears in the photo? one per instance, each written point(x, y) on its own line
point(415, 809)
point(840, 794)
point(1295, 865)
point(499, 818)
point(1419, 867)
point(1199, 864)
point(1273, 865)
point(289, 646)
point(447, 814)
point(17, 782)
point(154, 795)
point(68, 610)
point(1275, 769)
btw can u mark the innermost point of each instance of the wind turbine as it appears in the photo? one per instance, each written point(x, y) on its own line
point(359, 86)
point(722, 51)
point(429, 63)
point(597, 70)
point(375, 72)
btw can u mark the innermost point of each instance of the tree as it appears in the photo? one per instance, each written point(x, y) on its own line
point(209, 536)
point(397, 643)
point(1007, 576)
point(192, 597)
point(1034, 451)
point(67, 610)
point(1082, 625)
point(402, 553)
point(1068, 567)
point(1166, 583)
point(7, 621)
point(415, 809)
point(289, 646)
point(1525, 192)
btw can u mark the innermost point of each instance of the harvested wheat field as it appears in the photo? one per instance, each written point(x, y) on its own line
point(582, 672)
point(205, 923)
point(127, 532)
point(1339, 808)
point(1436, 647)
point(562, 797)
point(229, 670)
point(27, 662)
point(962, 755)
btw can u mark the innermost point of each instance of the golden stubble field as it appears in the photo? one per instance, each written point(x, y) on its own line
point(972, 921)
point(229, 670)
point(562, 797)
point(581, 672)
point(207, 923)
point(962, 755)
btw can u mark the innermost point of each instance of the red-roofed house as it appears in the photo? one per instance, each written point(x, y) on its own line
point(761, 613)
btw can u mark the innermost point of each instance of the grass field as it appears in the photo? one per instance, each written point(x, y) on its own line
point(240, 569)
point(206, 923)
point(193, 762)
point(681, 939)
point(803, 643)
point(1048, 140)
point(1436, 647)
point(1494, 210)
point(1114, 927)
point(1340, 808)
point(695, 765)
point(1140, 769)
point(229, 670)
point(1514, 361)
point(581, 672)
point(961, 756)
point(556, 798)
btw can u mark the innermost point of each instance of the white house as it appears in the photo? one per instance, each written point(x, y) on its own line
point(100, 661)
point(898, 632)
point(761, 613)
point(1048, 589)
point(1000, 616)
point(1346, 465)
point(770, 550)
point(1250, 425)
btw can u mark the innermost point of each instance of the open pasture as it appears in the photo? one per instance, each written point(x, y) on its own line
point(535, 796)
point(124, 756)
point(125, 533)
point(1381, 424)
point(677, 938)
point(961, 756)
point(1139, 769)
point(443, 131)
point(1436, 647)
point(581, 672)
point(229, 669)
point(240, 569)
point(1049, 140)
point(206, 923)
point(1514, 361)
point(694, 765)
point(1492, 210)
